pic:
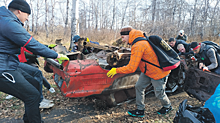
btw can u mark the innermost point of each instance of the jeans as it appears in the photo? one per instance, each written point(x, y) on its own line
point(34, 73)
point(159, 90)
point(21, 85)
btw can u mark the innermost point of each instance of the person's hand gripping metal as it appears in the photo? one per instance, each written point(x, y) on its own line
point(112, 72)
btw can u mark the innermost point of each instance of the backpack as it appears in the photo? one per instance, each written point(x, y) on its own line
point(167, 57)
point(216, 46)
point(190, 114)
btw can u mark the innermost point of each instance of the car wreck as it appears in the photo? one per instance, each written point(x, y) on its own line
point(85, 75)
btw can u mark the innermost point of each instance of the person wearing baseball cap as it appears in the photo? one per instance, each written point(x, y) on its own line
point(14, 38)
point(181, 36)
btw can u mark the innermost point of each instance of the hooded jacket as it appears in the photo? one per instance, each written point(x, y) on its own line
point(142, 50)
point(12, 37)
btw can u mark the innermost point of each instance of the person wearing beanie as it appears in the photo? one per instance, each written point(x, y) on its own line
point(174, 43)
point(149, 73)
point(181, 36)
point(207, 56)
point(13, 39)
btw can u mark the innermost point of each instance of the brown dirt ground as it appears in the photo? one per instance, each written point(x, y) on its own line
point(90, 110)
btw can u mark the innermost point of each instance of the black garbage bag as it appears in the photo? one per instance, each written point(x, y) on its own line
point(190, 114)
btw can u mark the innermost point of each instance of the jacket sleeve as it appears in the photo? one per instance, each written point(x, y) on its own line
point(185, 37)
point(18, 35)
point(213, 59)
point(136, 55)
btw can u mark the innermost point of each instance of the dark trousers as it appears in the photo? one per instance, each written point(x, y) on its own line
point(22, 85)
point(45, 82)
point(35, 73)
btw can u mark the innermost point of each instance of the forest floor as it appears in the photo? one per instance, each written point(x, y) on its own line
point(89, 109)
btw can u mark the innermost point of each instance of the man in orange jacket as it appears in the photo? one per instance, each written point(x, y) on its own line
point(149, 73)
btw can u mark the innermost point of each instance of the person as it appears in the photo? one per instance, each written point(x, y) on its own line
point(174, 43)
point(32, 60)
point(26, 64)
point(181, 36)
point(207, 57)
point(74, 43)
point(86, 49)
point(149, 73)
point(184, 50)
point(13, 79)
point(59, 48)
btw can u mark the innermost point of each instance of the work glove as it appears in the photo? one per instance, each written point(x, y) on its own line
point(193, 58)
point(62, 58)
point(205, 69)
point(52, 45)
point(112, 72)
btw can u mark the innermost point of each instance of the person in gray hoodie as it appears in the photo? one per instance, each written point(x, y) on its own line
point(208, 58)
point(13, 80)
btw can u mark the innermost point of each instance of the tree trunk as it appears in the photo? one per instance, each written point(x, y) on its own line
point(113, 18)
point(74, 21)
point(46, 12)
point(193, 19)
point(67, 15)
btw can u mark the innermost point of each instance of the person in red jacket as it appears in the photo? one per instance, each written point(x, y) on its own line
point(149, 73)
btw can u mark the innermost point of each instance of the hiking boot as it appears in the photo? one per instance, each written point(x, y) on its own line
point(136, 113)
point(46, 105)
point(164, 110)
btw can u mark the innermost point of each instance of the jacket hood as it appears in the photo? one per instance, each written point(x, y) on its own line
point(135, 34)
point(202, 47)
point(5, 13)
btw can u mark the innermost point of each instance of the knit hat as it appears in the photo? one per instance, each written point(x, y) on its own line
point(171, 39)
point(21, 5)
point(195, 45)
point(125, 30)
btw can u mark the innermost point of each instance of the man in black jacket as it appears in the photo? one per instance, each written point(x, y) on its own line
point(207, 56)
point(174, 43)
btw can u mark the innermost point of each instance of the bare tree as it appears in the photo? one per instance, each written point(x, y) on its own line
point(74, 21)
point(113, 17)
point(124, 12)
point(46, 12)
point(39, 14)
point(5, 2)
point(193, 18)
point(67, 15)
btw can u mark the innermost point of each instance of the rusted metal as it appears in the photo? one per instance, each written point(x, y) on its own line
point(201, 84)
point(85, 75)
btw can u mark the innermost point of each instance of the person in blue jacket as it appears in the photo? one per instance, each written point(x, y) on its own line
point(74, 43)
point(12, 37)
